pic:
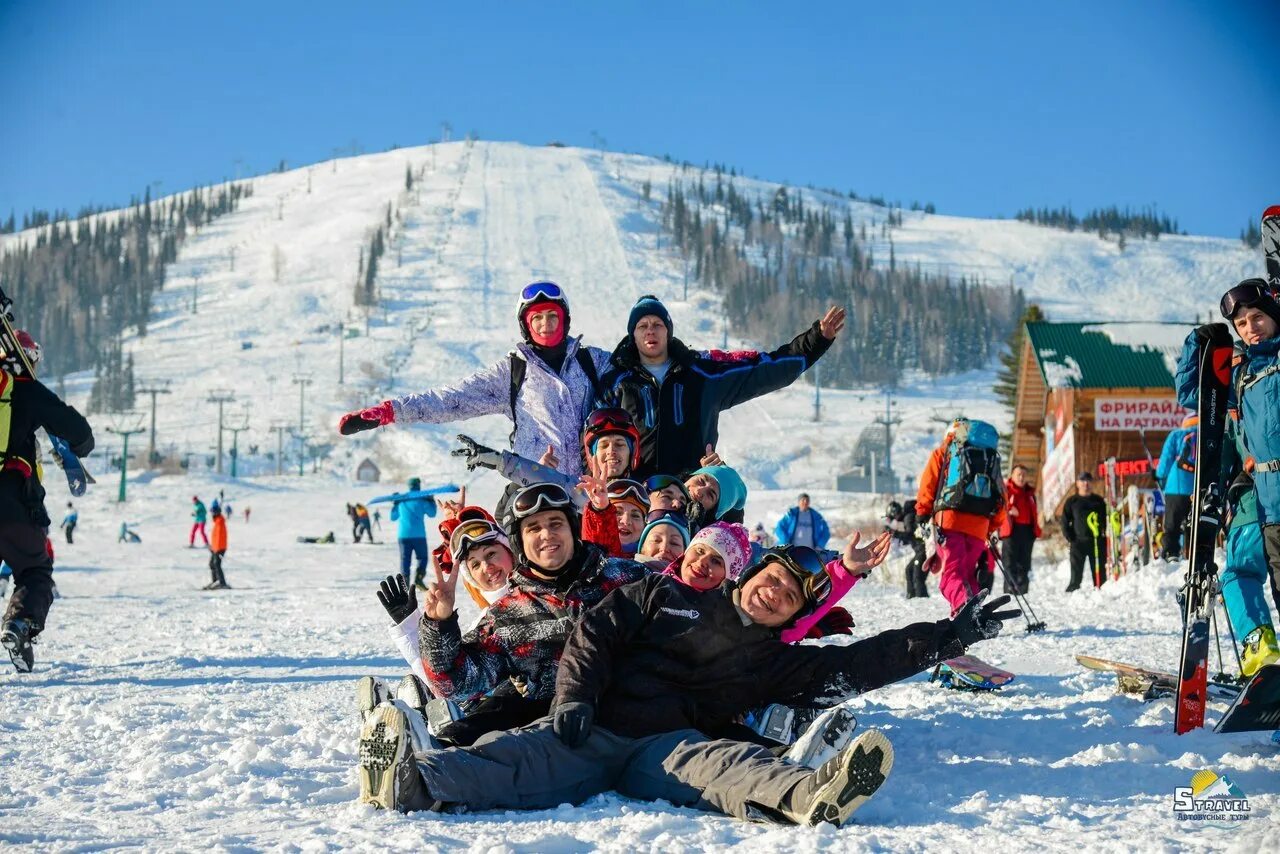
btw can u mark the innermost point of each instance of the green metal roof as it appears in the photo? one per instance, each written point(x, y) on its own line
point(1107, 355)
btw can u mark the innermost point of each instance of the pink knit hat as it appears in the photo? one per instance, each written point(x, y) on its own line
point(729, 540)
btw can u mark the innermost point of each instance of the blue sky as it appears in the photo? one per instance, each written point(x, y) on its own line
point(980, 108)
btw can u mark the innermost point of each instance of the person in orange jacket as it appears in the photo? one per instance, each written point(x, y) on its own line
point(1020, 530)
point(217, 548)
point(961, 537)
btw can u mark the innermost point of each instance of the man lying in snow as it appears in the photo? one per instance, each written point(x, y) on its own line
point(650, 669)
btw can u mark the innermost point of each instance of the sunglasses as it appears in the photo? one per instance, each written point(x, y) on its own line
point(472, 533)
point(1247, 293)
point(659, 482)
point(624, 489)
point(539, 497)
point(808, 569)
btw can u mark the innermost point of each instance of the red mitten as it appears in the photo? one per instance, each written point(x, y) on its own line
point(367, 419)
point(837, 621)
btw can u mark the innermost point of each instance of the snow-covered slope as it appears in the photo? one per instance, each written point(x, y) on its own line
point(483, 218)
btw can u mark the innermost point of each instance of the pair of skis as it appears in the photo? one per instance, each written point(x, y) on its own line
point(1213, 357)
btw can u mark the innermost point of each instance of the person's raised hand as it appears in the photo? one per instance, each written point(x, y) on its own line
point(397, 597)
point(861, 561)
point(438, 598)
point(832, 322)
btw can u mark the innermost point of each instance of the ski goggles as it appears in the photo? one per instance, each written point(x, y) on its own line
point(540, 291)
point(539, 497)
point(625, 489)
point(472, 533)
point(1250, 292)
point(611, 418)
point(810, 572)
point(659, 482)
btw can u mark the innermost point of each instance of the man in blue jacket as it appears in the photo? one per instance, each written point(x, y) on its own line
point(411, 531)
point(802, 526)
point(1176, 474)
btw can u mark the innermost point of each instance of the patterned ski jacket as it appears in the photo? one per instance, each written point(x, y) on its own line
point(550, 408)
point(522, 635)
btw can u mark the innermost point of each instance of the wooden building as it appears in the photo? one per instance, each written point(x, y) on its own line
point(1090, 391)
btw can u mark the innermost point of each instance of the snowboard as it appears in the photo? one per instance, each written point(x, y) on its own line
point(968, 673)
point(1271, 244)
point(1213, 358)
point(417, 493)
point(1152, 684)
point(1258, 706)
point(78, 477)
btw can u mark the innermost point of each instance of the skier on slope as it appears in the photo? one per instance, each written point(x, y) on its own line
point(1176, 474)
point(675, 395)
point(652, 669)
point(23, 518)
point(545, 386)
point(1253, 312)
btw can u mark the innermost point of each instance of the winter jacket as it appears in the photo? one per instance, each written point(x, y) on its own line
point(680, 417)
point(199, 513)
point(601, 528)
point(550, 407)
point(659, 656)
point(409, 516)
point(952, 520)
point(903, 529)
point(524, 632)
point(1076, 519)
point(786, 528)
point(218, 537)
point(842, 581)
point(1024, 499)
point(1173, 478)
point(33, 406)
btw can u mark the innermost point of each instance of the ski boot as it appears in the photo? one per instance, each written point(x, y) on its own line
point(825, 737)
point(440, 713)
point(844, 783)
point(389, 777)
point(1259, 650)
point(774, 722)
point(16, 637)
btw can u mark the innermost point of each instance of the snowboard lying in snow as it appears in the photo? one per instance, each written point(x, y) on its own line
point(968, 673)
point(1258, 706)
point(1152, 684)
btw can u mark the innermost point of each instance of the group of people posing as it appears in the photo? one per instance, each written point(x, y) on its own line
point(631, 635)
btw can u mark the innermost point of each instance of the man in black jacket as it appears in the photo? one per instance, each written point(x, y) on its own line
point(902, 524)
point(655, 666)
point(23, 519)
point(1084, 524)
point(675, 395)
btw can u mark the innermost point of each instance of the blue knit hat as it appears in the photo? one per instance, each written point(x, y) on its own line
point(669, 517)
point(645, 306)
point(733, 492)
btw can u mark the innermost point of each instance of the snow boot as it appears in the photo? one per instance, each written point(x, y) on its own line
point(824, 738)
point(440, 713)
point(774, 722)
point(1260, 649)
point(389, 777)
point(371, 692)
point(844, 783)
point(16, 638)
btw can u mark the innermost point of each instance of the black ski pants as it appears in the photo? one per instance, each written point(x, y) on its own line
point(1271, 545)
point(1176, 510)
point(1015, 552)
point(915, 573)
point(1095, 552)
point(22, 547)
point(215, 566)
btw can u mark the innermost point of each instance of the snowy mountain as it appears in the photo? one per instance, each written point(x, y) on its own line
point(272, 281)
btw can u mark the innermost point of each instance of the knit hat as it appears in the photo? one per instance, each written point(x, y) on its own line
point(729, 540)
point(669, 517)
point(733, 492)
point(645, 306)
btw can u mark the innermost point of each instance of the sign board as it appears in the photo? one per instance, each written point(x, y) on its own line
point(1058, 474)
point(1126, 468)
point(1159, 414)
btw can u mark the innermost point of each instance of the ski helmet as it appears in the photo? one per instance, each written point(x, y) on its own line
point(893, 511)
point(535, 499)
point(809, 571)
point(611, 422)
point(540, 295)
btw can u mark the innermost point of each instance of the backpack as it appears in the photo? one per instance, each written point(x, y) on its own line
point(1187, 453)
point(519, 366)
point(971, 482)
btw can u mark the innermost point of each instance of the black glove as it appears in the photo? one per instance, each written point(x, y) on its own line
point(1218, 334)
point(478, 456)
point(398, 598)
point(977, 622)
point(573, 723)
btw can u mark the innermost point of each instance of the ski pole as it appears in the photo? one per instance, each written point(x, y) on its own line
point(1235, 644)
point(1034, 623)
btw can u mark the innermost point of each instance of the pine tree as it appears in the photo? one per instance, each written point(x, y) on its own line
point(1006, 385)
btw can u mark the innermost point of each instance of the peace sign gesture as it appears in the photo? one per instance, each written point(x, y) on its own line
point(438, 598)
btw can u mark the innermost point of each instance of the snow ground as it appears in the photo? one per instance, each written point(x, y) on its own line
point(161, 717)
